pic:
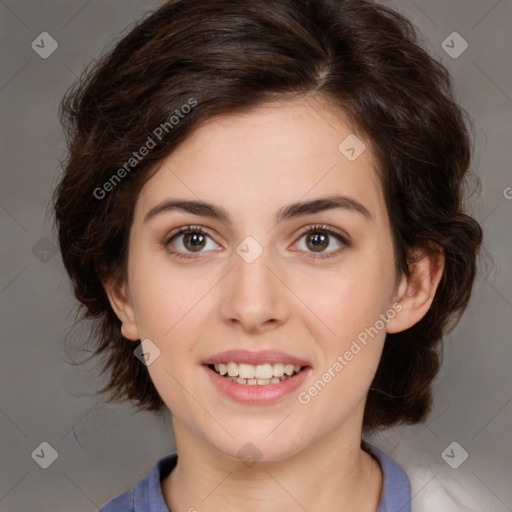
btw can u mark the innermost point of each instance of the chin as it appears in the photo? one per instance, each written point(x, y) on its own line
point(253, 449)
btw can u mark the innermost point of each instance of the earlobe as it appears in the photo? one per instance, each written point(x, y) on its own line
point(119, 298)
point(416, 292)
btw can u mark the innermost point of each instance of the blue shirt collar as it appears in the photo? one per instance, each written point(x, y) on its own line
point(147, 495)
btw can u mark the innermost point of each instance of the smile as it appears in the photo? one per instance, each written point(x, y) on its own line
point(261, 374)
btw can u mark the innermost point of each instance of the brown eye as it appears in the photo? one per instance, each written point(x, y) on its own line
point(317, 242)
point(189, 240)
point(194, 241)
point(321, 242)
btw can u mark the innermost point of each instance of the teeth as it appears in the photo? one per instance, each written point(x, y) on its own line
point(278, 369)
point(256, 374)
point(253, 382)
point(246, 371)
point(264, 371)
point(232, 369)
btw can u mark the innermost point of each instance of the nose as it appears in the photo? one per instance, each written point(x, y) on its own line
point(255, 300)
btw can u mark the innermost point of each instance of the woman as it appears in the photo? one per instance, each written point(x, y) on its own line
point(262, 209)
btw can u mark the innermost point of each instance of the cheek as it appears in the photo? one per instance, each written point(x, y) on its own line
point(170, 308)
point(348, 326)
point(350, 299)
point(164, 296)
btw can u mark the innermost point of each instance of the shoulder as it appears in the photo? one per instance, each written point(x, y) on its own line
point(434, 488)
point(434, 485)
point(121, 503)
point(147, 493)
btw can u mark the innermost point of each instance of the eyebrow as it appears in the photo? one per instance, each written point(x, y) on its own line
point(290, 211)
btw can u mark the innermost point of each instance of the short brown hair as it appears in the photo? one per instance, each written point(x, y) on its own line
point(364, 60)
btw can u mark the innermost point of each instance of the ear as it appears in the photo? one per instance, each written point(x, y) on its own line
point(119, 298)
point(416, 292)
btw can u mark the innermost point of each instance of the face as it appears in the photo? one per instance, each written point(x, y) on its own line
point(262, 235)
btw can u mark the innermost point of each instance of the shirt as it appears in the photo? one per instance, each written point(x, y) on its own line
point(147, 495)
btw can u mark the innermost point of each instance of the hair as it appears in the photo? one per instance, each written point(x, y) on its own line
point(364, 61)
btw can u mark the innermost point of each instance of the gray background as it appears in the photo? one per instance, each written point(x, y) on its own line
point(104, 449)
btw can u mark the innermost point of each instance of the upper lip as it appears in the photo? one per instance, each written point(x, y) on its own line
point(260, 357)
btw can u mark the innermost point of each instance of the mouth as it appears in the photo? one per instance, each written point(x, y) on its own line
point(256, 378)
point(259, 374)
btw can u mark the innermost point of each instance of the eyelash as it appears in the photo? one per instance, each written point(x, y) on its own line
point(182, 231)
point(327, 231)
point(310, 229)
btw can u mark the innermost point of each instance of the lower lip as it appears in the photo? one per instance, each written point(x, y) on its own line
point(257, 394)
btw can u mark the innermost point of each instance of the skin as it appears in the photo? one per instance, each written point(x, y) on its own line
point(253, 164)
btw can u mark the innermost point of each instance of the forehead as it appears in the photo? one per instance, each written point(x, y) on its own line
point(260, 159)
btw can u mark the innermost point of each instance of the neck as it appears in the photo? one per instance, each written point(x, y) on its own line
point(328, 475)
